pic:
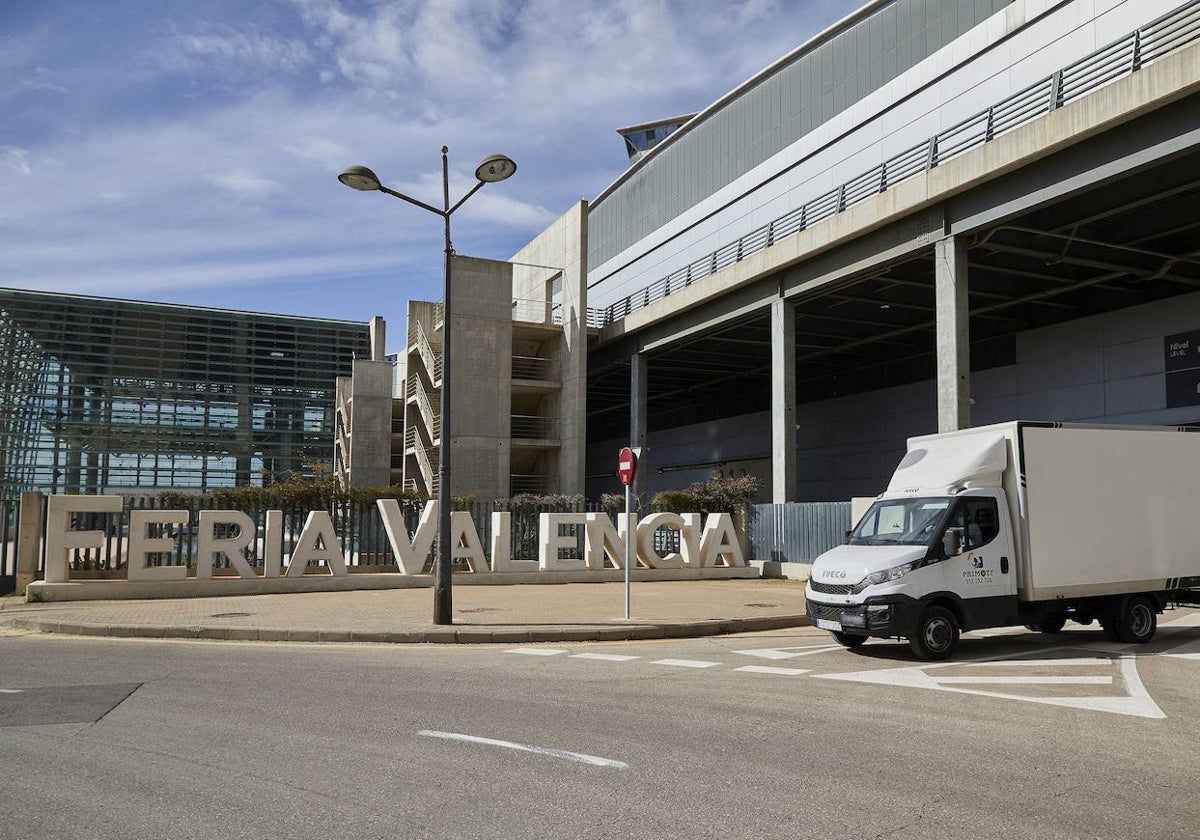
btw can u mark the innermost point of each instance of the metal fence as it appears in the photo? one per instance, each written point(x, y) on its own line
point(797, 532)
point(1120, 58)
point(9, 526)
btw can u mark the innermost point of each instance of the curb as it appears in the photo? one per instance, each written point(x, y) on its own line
point(461, 634)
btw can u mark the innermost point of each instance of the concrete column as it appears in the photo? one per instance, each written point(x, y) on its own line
point(378, 331)
point(29, 539)
point(783, 401)
point(639, 372)
point(953, 334)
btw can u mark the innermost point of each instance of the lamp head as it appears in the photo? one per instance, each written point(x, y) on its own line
point(359, 178)
point(495, 168)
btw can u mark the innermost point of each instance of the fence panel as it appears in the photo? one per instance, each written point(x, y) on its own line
point(797, 532)
point(9, 509)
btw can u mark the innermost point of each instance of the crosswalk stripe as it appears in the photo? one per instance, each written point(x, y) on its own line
point(537, 651)
point(605, 657)
point(686, 663)
point(767, 669)
point(1014, 680)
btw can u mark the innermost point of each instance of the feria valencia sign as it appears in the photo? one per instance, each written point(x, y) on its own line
point(703, 542)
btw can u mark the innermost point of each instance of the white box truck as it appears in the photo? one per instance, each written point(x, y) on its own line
point(1020, 523)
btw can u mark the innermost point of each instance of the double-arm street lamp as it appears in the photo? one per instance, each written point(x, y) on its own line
point(491, 169)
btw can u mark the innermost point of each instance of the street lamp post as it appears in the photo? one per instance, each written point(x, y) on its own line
point(491, 169)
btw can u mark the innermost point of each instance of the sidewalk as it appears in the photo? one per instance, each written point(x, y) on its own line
point(482, 614)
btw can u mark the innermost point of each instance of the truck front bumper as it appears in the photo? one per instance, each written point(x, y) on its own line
point(888, 616)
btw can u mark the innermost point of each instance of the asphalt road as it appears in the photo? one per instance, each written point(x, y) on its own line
point(767, 735)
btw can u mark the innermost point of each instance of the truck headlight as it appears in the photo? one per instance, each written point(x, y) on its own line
point(876, 578)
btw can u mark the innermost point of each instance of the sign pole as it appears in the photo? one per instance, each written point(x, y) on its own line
point(626, 469)
point(629, 540)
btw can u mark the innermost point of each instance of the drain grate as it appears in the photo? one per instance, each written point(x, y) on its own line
point(481, 609)
point(231, 615)
point(765, 606)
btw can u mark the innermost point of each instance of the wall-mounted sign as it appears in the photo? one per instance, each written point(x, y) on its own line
point(1181, 360)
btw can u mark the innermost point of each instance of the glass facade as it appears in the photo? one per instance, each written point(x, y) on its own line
point(99, 394)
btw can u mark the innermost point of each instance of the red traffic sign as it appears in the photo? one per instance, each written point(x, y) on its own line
point(626, 466)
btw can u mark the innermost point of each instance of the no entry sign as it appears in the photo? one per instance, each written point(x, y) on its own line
point(626, 466)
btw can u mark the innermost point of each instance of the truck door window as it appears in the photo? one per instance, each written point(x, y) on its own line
point(978, 519)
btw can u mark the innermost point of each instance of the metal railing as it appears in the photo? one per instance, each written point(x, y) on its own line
point(1120, 58)
point(530, 427)
point(550, 312)
point(431, 356)
point(532, 367)
point(430, 418)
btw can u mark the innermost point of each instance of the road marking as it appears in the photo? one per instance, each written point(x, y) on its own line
point(787, 652)
point(1092, 661)
point(605, 657)
point(1014, 680)
point(537, 651)
point(767, 669)
point(1136, 703)
point(686, 663)
point(11, 691)
point(582, 758)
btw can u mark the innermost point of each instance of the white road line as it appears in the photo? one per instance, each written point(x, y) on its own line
point(537, 651)
point(686, 663)
point(582, 758)
point(787, 653)
point(605, 657)
point(767, 669)
point(11, 691)
point(991, 663)
point(1090, 680)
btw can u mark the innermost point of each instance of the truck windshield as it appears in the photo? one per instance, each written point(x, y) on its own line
point(900, 522)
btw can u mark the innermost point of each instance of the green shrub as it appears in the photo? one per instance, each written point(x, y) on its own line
point(717, 494)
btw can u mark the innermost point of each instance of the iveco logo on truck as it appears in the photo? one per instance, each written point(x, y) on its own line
point(834, 574)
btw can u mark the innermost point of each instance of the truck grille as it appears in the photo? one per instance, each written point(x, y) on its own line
point(831, 588)
point(831, 612)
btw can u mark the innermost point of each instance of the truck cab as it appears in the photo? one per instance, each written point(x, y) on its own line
point(921, 567)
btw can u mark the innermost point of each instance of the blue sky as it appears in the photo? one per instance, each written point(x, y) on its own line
point(186, 151)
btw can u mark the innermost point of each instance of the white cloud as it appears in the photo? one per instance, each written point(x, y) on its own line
point(16, 158)
point(219, 175)
point(219, 48)
point(244, 182)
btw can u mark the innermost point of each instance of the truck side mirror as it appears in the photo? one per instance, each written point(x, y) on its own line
point(952, 542)
point(848, 533)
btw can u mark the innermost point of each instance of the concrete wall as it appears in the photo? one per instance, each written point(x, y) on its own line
point(561, 249)
point(481, 370)
point(371, 423)
point(1105, 369)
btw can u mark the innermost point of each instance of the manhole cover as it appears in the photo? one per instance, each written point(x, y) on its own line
point(765, 606)
point(231, 615)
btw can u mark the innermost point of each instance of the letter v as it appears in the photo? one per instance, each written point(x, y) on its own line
point(410, 556)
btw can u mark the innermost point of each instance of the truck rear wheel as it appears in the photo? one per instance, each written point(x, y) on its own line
point(936, 635)
point(849, 640)
point(1137, 620)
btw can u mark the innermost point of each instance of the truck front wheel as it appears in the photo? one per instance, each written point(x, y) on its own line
point(849, 640)
point(1137, 620)
point(936, 635)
